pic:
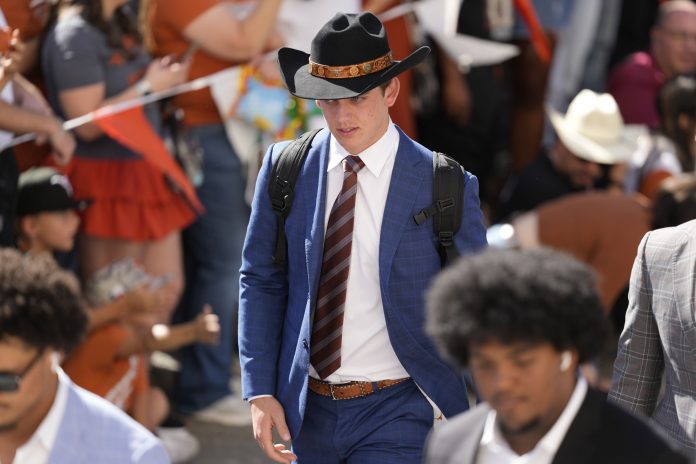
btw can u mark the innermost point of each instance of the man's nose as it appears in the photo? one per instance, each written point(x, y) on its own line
point(504, 380)
point(343, 109)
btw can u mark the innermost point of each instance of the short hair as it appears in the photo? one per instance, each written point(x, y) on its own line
point(39, 303)
point(673, 6)
point(675, 202)
point(510, 296)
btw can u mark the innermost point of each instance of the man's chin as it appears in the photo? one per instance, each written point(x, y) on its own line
point(8, 426)
point(517, 428)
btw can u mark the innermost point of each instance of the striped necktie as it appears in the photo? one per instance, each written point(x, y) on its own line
point(328, 318)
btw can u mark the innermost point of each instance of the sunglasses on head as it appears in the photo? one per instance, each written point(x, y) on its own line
point(11, 381)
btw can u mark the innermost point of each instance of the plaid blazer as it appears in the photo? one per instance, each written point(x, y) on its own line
point(660, 335)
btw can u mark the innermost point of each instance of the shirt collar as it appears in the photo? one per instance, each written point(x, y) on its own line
point(492, 436)
point(48, 430)
point(374, 157)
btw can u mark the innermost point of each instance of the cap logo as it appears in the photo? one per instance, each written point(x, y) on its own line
point(63, 182)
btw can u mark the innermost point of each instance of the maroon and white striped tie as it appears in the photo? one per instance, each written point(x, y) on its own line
point(328, 318)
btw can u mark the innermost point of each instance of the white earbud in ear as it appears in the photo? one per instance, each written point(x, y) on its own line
point(566, 359)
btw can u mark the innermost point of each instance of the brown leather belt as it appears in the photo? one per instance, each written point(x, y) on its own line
point(350, 390)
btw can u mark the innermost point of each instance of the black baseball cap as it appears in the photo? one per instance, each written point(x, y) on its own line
point(45, 189)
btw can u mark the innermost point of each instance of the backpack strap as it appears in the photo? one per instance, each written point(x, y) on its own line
point(281, 188)
point(446, 210)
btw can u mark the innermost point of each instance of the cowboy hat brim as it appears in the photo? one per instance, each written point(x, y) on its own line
point(294, 67)
point(583, 147)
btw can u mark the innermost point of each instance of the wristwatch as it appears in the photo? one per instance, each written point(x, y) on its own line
point(143, 87)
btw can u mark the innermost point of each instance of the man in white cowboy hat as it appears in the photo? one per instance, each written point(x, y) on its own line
point(338, 361)
point(591, 138)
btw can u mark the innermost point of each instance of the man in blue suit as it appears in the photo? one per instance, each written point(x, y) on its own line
point(333, 352)
point(44, 418)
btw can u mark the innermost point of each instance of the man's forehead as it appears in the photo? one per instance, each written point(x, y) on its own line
point(14, 353)
point(501, 348)
point(10, 345)
point(680, 16)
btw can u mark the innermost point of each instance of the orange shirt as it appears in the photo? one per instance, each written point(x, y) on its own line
point(28, 16)
point(95, 366)
point(167, 20)
point(602, 229)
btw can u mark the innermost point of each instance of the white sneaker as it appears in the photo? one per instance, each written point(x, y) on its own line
point(180, 444)
point(230, 410)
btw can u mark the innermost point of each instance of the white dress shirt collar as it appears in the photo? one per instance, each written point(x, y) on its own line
point(494, 448)
point(37, 449)
point(372, 156)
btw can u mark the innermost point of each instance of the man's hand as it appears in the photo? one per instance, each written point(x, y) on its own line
point(207, 326)
point(267, 413)
point(12, 50)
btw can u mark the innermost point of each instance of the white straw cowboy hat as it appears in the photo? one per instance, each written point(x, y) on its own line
point(593, 129)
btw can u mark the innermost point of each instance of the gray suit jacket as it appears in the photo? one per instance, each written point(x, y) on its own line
point(95, 431)
point(660, 335)
point(600, 433)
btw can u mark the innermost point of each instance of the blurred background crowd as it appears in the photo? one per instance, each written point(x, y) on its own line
point(583, 141)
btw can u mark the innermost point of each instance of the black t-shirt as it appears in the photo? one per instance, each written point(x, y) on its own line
point(538, 183)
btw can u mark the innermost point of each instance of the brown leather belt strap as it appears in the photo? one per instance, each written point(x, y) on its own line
point(350, 390)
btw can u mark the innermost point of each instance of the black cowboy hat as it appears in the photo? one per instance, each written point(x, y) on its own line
point(350, 55)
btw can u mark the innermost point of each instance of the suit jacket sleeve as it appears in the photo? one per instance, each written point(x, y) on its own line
point(472, 233)
point(639, 362)
point(263, 294)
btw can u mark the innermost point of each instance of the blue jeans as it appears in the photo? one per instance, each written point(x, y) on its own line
point(387, 427)
point(212, 258)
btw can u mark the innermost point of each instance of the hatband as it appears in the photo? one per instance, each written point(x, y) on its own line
point(351, 70)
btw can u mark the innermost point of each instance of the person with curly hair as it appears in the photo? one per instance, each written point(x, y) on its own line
point(44, 417)
point(522, 322)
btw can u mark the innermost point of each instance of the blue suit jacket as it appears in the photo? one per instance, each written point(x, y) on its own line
point(94, 430)
point(276, 309)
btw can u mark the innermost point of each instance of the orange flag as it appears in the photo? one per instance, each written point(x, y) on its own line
point(132, 129)
point(536, 32)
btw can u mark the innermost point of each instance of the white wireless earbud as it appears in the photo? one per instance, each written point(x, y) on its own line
point(566, 359)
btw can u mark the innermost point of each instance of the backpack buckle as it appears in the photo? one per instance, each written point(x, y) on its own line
point(446, 238)
point(445, 204)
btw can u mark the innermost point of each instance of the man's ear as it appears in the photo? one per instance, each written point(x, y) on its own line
point(28, 226)
point(392, 91)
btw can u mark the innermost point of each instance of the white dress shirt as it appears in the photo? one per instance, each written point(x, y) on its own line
point(38, 448)
point(493, 448)
point(366, 352)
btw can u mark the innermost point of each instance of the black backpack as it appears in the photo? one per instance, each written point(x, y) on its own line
point(448, 189)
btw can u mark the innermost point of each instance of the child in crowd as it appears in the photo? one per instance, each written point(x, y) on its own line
point(111, 361)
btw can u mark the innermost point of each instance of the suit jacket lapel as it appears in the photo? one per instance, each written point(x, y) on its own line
point(580, 442)
point(471, 442)
point(406, 180)
point(314, 193)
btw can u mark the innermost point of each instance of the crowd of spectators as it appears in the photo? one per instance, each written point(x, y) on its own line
point(159, 274)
